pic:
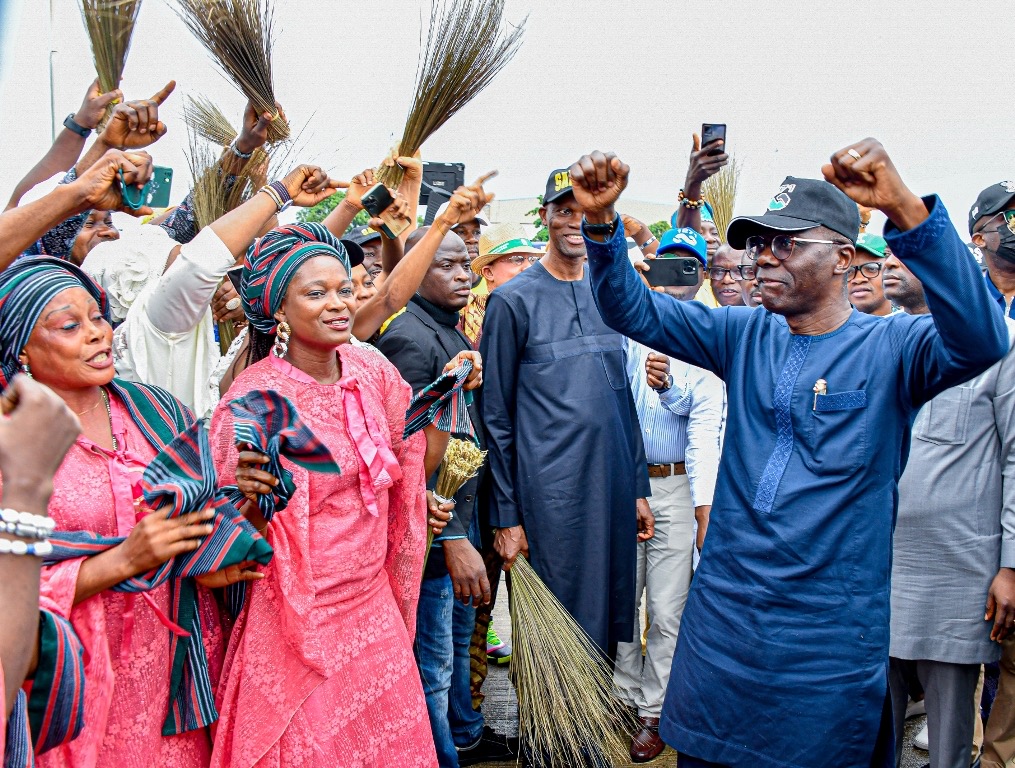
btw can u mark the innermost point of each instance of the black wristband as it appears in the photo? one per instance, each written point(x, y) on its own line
point(71, 125)
point(603, 230)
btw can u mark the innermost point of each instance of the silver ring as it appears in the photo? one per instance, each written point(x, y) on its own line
point(233, 303)
point(853, 153)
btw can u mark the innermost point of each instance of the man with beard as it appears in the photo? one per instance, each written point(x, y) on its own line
point(565, 452)
point(788, 613)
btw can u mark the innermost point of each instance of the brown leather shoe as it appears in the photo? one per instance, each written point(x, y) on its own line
point(646, 744)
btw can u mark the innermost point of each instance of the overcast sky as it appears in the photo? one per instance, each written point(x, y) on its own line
point(794, 81)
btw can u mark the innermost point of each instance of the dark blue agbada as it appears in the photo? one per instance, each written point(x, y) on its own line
point(783, 650)
point(565, 453)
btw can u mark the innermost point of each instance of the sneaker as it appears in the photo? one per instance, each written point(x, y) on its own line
point(916, 708)
point(922, 739)
point(497, 650)
point(490, 748)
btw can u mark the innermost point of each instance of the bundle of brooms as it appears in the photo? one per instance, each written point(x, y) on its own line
point(466, 46)
point(461, 463)
point(206, 120)
point(567, 713)
point(110, 26)
point(721, 192)
point(215, 194)
point(238, 35)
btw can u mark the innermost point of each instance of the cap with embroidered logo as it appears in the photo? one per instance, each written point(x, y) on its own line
point(683, 239)
point(991, 202)
point(557, 185)
point(797, 205)
point(360, 235)
point(875, 245)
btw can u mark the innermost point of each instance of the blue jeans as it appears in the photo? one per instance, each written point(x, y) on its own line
point(435, 659)
point(466, 722)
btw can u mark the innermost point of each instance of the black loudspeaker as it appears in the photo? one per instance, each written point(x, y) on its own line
point(443, 178)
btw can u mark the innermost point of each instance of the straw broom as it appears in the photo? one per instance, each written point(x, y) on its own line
point(467, 45)
point(461, 463)
point(110, 26)
point(206, 120)
point(214, 196)
point(238, 35)
point(721, 191)
point(567, 712)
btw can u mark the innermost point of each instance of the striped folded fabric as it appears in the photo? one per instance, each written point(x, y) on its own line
point(269, 424)
point(182, 477)
point(50, 708)
point(443, 404)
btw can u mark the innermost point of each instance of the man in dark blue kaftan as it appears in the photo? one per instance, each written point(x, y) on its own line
point(783, 651)
point(565, 452)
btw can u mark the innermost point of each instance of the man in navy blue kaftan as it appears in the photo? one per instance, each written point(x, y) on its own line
point(782, 657)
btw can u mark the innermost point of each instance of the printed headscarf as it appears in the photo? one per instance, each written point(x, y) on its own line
point(26, 287)
point(273, 260)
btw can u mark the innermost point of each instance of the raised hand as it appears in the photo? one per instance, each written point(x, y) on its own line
point(702, 164)
point(358, 187)
point(99, 186)
point(136, 124)
point(467, 202)
point(308, 185)
point(596, 182)
point(866, 173)
point(90, 113)
point(254, 133)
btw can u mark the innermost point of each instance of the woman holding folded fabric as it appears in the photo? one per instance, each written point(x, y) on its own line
point(319, 668)
point(54, 327)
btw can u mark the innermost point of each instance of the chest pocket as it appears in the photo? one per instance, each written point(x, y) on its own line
point(945, 419)
point(836, 433)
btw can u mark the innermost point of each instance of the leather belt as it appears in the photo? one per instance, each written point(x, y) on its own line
point(667, 470)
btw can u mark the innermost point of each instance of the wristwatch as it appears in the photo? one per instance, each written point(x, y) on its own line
point(71, 125)
point(669, 383)
point(602, 230)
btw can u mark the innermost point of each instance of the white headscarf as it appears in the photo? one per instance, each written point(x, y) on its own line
point(124, 267)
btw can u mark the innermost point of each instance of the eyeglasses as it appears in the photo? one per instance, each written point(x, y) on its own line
point(518, 258)
point(1009, 220)
point(782, 245)
point(748, 272)
point(717, 275)
point(870, 270)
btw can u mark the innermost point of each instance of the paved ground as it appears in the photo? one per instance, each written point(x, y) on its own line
point(501, 709)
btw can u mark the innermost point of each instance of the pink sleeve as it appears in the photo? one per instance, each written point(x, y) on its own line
point(406, 503)
point(58, 586)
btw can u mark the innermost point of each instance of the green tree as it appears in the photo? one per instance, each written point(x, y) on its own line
point(659, 228)
point(541, 236)
point(320, 212)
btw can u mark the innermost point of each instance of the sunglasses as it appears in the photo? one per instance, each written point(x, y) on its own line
point(1009, 220)
point(782, 245)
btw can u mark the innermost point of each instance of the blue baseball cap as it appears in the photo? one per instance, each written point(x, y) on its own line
point(683, 239)
point(707, 214)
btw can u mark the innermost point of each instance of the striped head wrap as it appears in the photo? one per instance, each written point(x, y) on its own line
point(443, 404)
point(273, 260)
point(26, 287)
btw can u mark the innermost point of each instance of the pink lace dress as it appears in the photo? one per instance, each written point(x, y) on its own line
point(319, 671)
point(126, 644)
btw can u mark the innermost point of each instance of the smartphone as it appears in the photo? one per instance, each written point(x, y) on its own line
point(155, 193)
point(713, 132)
point(234, 278)
point(673, 270)
point(376, 201)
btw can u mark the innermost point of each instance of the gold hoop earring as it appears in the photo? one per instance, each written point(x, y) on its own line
point(282, 335)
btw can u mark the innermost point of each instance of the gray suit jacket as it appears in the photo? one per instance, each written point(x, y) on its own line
point(956, 523)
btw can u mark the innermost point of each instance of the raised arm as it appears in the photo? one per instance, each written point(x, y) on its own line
point(701, 165)
point(940, 354)
point(687, 330)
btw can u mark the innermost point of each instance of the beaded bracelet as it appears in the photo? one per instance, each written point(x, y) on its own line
point(18, 547)
point(241, 155)
point(26, 525)
point(687, 202)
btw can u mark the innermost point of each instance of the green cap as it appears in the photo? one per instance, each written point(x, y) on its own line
point(875, 245)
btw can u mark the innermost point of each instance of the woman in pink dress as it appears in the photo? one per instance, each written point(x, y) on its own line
point(54, 327)
point(319, 669)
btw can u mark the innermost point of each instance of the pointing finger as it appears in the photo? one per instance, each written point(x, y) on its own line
point(485, 178)
point(162, 95)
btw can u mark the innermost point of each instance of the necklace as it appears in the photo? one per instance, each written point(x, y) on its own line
point(109, 415)
point(89, 410)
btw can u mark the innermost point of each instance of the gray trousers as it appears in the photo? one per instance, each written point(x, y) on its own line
point(951, 710)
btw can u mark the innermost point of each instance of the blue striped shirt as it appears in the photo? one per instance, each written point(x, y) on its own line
point(682, 423)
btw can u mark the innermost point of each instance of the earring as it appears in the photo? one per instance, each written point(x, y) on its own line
point(26, 370)
point(282, 334)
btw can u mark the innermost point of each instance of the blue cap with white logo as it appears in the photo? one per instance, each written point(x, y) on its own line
point(684, 239)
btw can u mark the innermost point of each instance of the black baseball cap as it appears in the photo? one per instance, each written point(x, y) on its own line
point(991, 201)
point(360, 235)
point(356, 255)
point(800, 204)
point(557, 185)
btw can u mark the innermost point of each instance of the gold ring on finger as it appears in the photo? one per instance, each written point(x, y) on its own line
point(853, 153)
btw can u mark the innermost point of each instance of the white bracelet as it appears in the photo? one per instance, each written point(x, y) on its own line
point(26, 525)
point(647, 243)
point(18, 547)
